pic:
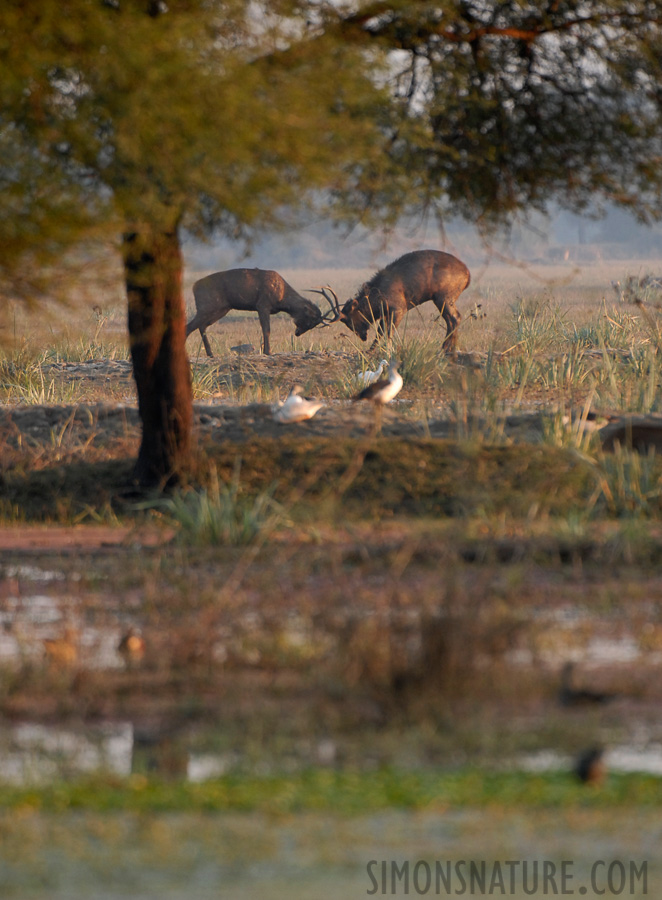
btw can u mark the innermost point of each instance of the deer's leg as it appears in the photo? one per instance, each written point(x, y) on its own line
point(451, 317)
point(202, 322)
point(205, 341)
point(196, 322)
point(265, 322)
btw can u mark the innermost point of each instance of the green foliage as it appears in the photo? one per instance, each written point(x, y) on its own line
point(188, 116)
point(422, 362)
point(528, 104)
point(629, 484)
point(537, 326)
point(193, 114)
point(220, 513)
point(345, 792)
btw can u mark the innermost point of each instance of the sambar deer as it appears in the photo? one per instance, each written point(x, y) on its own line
point(257, 290)
point(405, 283)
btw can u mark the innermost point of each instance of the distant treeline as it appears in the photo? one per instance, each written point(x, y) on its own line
point(562, 237)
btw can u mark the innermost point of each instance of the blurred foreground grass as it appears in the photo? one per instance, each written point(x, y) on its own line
point(338, 791)
point(241, 856)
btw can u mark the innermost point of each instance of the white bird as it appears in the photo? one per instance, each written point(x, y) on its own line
point(296, 408)
point(366, 378)
point(382, 392)
point(294, 399)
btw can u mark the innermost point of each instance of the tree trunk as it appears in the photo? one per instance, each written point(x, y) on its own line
point(157, 334)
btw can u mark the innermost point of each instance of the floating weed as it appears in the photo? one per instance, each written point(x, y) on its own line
point(343, 790)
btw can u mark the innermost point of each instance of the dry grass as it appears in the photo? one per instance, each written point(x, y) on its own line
point(401, 574)
point(578, 291)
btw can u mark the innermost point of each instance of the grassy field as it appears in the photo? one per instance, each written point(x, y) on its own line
point(336, 621)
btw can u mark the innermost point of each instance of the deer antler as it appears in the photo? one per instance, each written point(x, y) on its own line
point(333, 302)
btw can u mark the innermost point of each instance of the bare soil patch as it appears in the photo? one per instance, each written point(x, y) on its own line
point(62, 538)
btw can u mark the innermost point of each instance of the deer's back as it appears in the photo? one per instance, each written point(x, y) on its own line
point(421, 273)
point(237, 288)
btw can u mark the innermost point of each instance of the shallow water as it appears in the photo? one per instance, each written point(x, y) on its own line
point(243, 856)
point(37, 753)
point(109, 856)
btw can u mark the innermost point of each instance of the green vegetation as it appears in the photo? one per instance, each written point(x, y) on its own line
point(220, 513)
point(536, 361)
point(212, 124)
point(327, 580)
point(349, 793)
point(410, 477)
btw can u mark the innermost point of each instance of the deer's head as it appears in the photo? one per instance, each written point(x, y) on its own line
point(307, 317)
point(355, 315)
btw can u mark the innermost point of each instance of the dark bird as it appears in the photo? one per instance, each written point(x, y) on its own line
point(131, 647)
point(590, 767)
point(569, 695)
point(383, 391)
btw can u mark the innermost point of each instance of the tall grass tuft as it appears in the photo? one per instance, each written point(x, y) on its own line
point(204, 382)
point(536, 325)
point(220, 513)
point(422, 361)
point(629, 484)
point(23, 381)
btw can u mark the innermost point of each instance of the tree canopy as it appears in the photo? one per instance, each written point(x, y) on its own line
point(501, 107)
point(127, 111)
point(148, 118)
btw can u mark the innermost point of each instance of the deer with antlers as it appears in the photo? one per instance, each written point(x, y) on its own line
point(257, 290)
point(407, 282)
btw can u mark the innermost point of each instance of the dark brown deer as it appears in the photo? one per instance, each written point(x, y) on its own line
point(411, 280)
point(256, 290)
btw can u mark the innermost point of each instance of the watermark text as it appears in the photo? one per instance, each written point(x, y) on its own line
point(537, 877)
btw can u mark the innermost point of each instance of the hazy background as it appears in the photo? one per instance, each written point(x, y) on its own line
point(560, 237)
